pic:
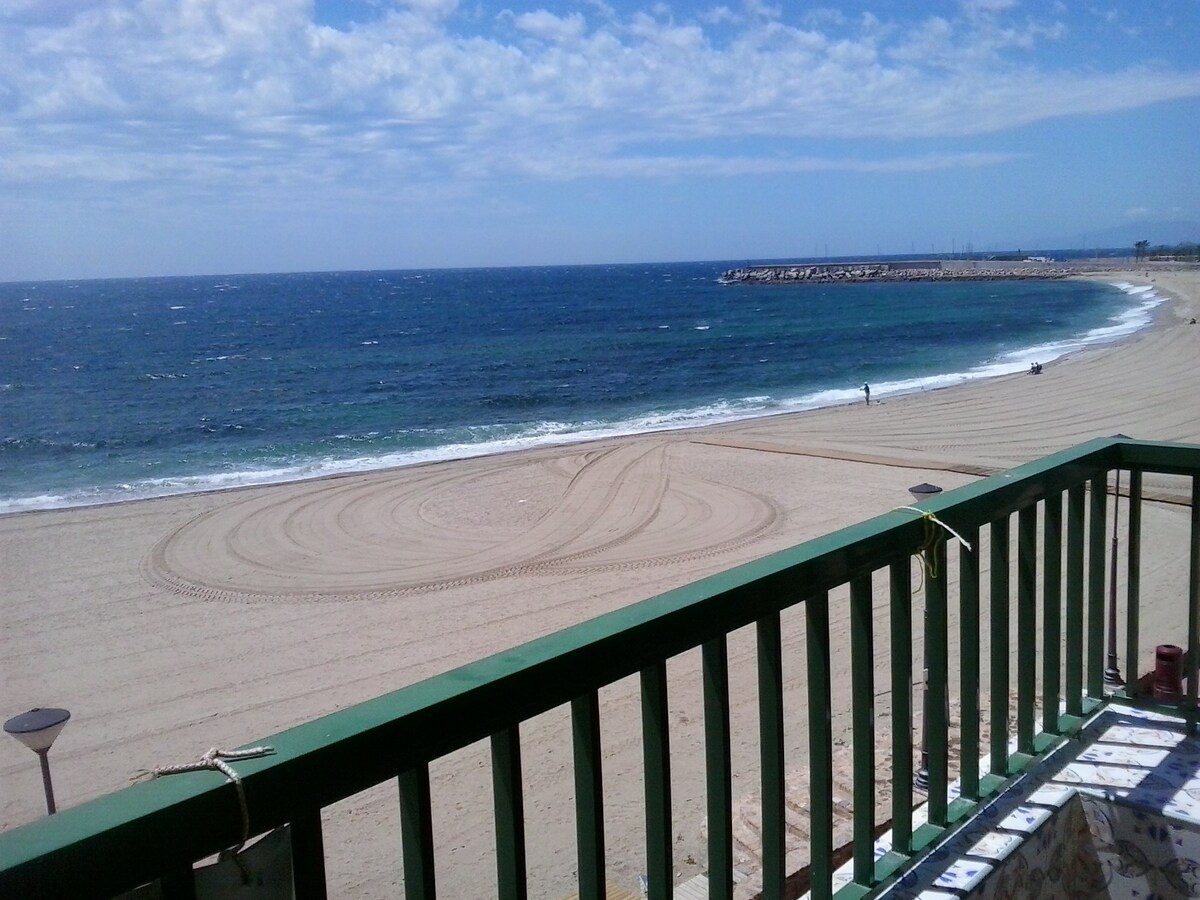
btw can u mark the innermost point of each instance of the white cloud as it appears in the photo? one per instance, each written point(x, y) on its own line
point(987, 7)
point(212, 92)
point(549, 27)
point(574, 166)
point(718, 15)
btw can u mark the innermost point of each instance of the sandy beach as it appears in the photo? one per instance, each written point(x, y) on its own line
point(171, 626)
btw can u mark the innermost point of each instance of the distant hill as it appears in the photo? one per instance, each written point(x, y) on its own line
point(1169, 233)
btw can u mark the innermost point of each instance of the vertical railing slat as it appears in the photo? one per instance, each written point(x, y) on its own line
point(900, 591)
point(416, 834)
point(1193, 647)
point(1051, 612)
point(1097, 583)
point(1074, 617)
point(770, 716)
point(179, 883)
point(656, 750)
point(719, 768)
point(820, 746)
point(1026, 626)
point(1133, 586)
point(308, 856)
point(998, 601)
point(937, 673)
point(510, 814)
point(862, 689)
point(968, 628)
point(589, 795)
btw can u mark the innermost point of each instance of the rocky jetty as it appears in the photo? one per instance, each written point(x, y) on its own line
point(857, 273)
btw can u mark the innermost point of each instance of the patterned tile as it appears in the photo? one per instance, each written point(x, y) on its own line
point(1084, 774)
point(1118, 808)
point(994, 845)
point(1123, 755)
point(1025, 819)
point(1051, 795)
point(962, 875)
point(1140, 737)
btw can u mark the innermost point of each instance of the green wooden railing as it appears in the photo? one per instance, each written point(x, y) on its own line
point(156, 830)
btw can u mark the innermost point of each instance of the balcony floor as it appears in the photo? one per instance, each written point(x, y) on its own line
point(1113, 813)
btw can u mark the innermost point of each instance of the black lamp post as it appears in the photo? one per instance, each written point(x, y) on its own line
point(37, 730)
point(920, 492)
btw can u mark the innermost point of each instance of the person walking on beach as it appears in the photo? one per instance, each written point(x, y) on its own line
point(867, 391)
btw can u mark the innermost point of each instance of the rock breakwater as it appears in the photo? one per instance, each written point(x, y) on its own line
point(857, 273)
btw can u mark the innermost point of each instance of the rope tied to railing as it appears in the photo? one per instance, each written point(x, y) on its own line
point(932, 538)
point(214, 760)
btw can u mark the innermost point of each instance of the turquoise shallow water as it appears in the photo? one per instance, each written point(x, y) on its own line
point(120, 389)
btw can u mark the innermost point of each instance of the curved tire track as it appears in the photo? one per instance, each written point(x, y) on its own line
point(375, 537)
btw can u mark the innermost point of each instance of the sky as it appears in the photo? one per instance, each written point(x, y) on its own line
point(173, 137)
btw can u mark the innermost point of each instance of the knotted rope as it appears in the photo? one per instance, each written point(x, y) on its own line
point(214, 760)
point(932, 538)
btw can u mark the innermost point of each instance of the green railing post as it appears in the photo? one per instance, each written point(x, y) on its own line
point(589, 795)
point(937, 673)
point(1097, 583)
point(1026, 626)
point(900, 594)
point(1193, 649)
point(862, 689)
point(179, 883)
point(968, 629)
point(510, 814)
point(820, 746)
point(656, 750)
point(1074, 617)
point(416, 834)
point(719, 769)
point(308, 856)
point(770, 728)
point(1051, 613)
point(1133, 578)
point(998, 600)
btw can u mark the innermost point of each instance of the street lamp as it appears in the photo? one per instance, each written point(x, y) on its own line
point(924, 491)
point(37, 730)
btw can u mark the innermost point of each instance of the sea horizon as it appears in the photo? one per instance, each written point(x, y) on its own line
point(125, 389)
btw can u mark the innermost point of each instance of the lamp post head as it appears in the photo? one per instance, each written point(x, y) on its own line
point(37, 728)
point(923, 490)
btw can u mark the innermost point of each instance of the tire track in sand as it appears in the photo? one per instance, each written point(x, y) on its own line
point(374, 536)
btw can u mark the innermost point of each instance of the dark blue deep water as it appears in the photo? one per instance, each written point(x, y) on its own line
point(119, 389)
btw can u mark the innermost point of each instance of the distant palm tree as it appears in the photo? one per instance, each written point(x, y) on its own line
point(1141, 250)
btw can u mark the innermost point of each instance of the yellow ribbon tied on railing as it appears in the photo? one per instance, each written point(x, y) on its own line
point(933, 535)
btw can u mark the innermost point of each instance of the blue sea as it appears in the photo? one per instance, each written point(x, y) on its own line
point(130, 388)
